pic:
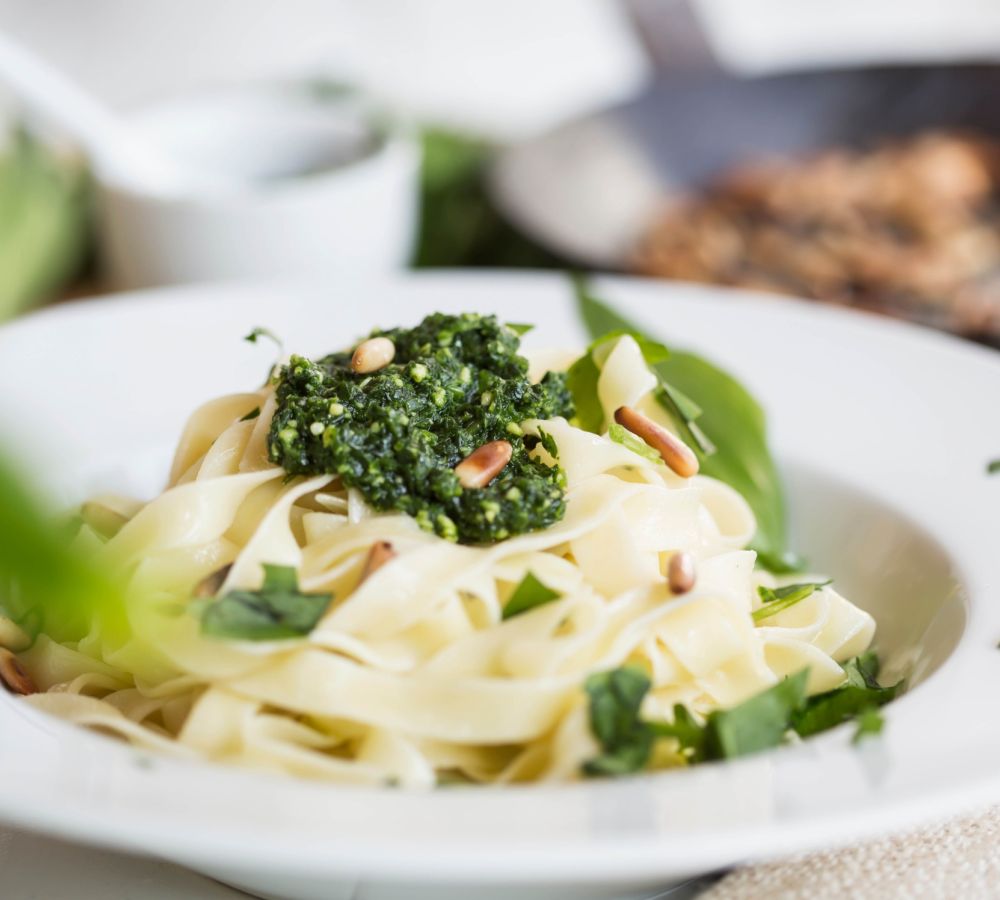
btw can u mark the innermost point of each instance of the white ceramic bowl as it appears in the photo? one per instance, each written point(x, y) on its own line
point(289, 186)
point(884, 430)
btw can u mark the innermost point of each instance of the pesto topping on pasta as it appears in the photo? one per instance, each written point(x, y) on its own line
point(396, 434)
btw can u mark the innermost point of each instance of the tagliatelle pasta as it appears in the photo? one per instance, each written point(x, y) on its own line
point(413, 672)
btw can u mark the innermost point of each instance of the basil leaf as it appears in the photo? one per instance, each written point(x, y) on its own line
point(626, 741)
point(758, 723)
point(519, 328)
point(277, 611)
point(527, 595)
point(731, 419)
point(778, 599)
point(263, 332)
point(253, 414)
point(993, 467)
point(852, 700)
point(621, 435)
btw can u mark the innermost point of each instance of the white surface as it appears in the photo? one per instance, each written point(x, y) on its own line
point(882, 407)
point(360, 215)
point(508, 69)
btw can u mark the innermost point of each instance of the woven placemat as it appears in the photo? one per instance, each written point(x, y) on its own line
point(957, 859)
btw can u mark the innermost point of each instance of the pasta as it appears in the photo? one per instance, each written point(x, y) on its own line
point(413, 674)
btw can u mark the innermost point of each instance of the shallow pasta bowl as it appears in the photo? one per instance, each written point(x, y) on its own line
point(883, 430)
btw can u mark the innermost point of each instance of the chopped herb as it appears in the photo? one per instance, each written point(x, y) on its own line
point(626, 741)
point(870, 723)
point(455, 383)
point(779, 599)
point(732, 420)
point(530, 593)
point(621, 435)
point(253, 414)
point(520, 328)
point(786, 563)
point(549, 443)
point(263, 332)
point(276, 611)
point(861, 692)
point(993, 467)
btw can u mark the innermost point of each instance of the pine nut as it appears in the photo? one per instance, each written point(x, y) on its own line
point(681, 572)
point(13, 675)
point(676, 454)
point(209, 585)
point(371, 355)
point(380, 553)
point(12, 636)
point(481, 466)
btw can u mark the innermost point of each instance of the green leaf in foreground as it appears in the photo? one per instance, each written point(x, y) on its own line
point(277, 611)
point(626, 741)
point(870, 724)
point(527, 595)
point(993, 467)
point(731, 420)
point(621, 435)
point(777, 600)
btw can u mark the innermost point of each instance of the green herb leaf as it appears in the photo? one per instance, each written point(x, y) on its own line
point(621, 435)
point(731, 419)
point(861, 692)
point(758, 723)
point(870, 724)
point(993, 467)
point(581, 382)
point(520, 328)
point(786, 563)
point(253, 414)
point(779, 599)
point(690, 734)
point(263, 332)
point(277, 611)
point(527, 595)
point(626, 741)
point(549, 443)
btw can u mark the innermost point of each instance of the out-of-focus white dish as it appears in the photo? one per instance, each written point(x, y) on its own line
point(884, 430)
point(288, 184)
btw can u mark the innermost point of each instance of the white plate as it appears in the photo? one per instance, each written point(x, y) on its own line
point(885, 430)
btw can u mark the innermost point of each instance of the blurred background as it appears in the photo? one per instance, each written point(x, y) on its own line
point(845, 152)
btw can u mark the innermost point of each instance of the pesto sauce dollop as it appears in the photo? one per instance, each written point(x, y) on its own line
point(456, 382)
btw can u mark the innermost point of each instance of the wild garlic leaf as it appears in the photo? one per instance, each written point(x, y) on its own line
point(581, 381)
point(626, 741)
point(870, 723)
point(529, 594)
point(277, 611)
point(777, 600)
point(519, 328)
point(253, 414)
point(786, 563)
point(993, 467)
point(758, 723)
point(259, 332)
point(731, 420)
point(621, 435)
point(861, 692)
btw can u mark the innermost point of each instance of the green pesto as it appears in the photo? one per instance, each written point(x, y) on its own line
point(456, 382)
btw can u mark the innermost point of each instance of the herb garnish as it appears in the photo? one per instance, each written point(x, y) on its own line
point(259, 332)
point(520, 328)
point(993, 467)
point(621, 435)
point(276, 611)
point(777, 600)
point(529, 594)
point(759, 723)
point(253, 414)
point(731, 419)
point(396, 434)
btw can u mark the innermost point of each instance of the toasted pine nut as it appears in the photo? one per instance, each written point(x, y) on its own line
point(481, 466)
point(380, 553)
point(209, 585)
point(371, 355)
point(676, 454)
point(13, 675)
point(12, 636)
point(681, 572)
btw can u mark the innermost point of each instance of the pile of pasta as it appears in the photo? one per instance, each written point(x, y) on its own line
point(413, 673)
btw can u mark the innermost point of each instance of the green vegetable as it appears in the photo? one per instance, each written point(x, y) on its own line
point(626, 741)
point(861, 693)
point(621, 435)
point(520, 328)
point(529, 594)
point(259, 332)
point(253, 414)
point(870, 724)
point(779, 599)
point(732, 420)
point(581, 382)
point(786, 563)
point(993, 467)
point(455, 383)
point(278, 610)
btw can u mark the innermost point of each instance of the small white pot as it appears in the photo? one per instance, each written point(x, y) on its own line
point(294, 187)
